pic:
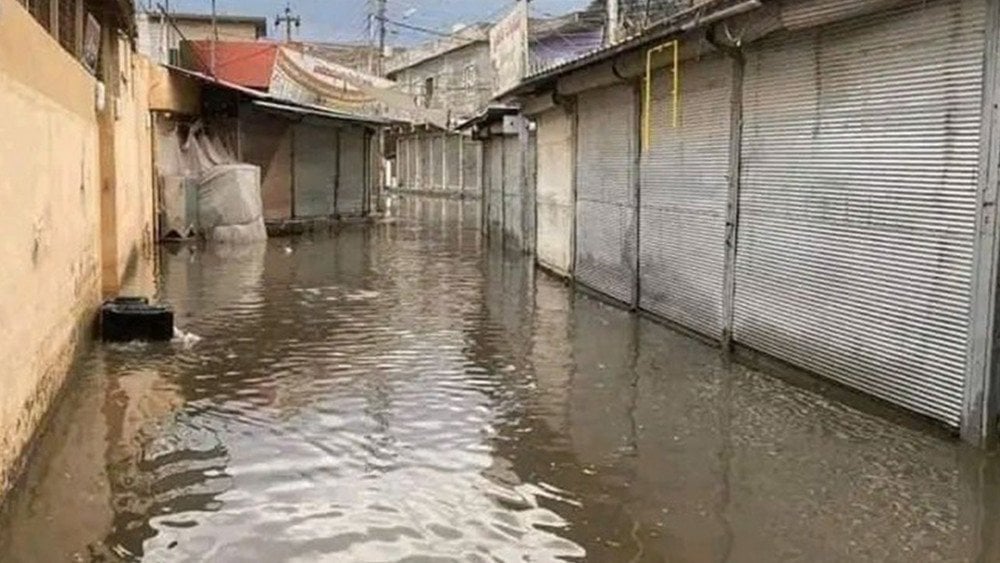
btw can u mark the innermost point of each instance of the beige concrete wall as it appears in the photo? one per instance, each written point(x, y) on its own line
point(49, 245)
point(51, 191)
point(133, 161)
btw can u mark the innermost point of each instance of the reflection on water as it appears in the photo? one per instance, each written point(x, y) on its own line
point(408, 389)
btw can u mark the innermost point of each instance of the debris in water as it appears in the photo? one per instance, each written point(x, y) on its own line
point(185, 339)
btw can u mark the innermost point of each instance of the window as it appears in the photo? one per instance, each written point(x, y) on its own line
point(469, 77)
point(428, 90)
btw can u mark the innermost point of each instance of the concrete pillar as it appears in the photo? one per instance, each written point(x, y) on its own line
point(108, 75)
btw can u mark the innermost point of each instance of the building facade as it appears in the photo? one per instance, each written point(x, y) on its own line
point(76, 179)
point(815, 189)
point(159, 38)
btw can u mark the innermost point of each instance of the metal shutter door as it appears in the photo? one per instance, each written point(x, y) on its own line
point(351, 190)
point(555, 190)
point(683, 194)
point(315, 169)
point(424, 163)
point(453, 157)
point(513, 186)
point(494, 148)
point(857, 201)
point(471, 153)
point(437, 164)
point(605, 208)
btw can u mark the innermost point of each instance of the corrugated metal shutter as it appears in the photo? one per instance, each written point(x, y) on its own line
point(683, 194)
point(424, 156)
point(858, 201)
point(453, 160)
point(494, 177)
point(351, 190)
point(554, 236)
point(437, 165)
point(605, 209)
point(513, 219)
point(315, 169)
point(472, 152)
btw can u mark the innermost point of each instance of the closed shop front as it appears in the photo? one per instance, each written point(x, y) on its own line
point(683, 194)
point(554, 236)
point(351, 188)
point(605, 207)
point(315, 175)
point(857, 201)
point(513, 196)
point(493, 183)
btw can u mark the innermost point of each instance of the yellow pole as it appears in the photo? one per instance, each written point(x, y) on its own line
point(647, 98)
point(677, 81)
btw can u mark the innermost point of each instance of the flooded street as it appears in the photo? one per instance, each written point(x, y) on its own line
point(400, 391)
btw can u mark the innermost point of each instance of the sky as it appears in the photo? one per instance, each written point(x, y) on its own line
point(346, 20)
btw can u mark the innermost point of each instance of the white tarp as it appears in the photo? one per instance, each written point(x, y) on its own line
point(229, 203)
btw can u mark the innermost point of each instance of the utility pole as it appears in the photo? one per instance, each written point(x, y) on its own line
point(288, 19)
point(613, 21)
point(380, 19)
point(215, 36)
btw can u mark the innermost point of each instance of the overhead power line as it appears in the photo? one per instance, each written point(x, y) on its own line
point(414, 27)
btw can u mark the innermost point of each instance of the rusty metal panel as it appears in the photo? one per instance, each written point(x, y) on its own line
point(605, 210)
point(857, 201)
point(683, 195)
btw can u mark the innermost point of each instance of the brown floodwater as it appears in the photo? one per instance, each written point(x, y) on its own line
point(405, 391)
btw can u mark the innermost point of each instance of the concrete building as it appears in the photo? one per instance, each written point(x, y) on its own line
point(76, 180)
point(160, 38)
point(456, 74)
point(807, 181)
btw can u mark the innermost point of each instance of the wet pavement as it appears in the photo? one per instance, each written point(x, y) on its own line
point(401, 391)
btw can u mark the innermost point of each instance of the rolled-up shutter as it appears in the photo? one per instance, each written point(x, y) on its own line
point(605, 209)
point(857, 206)
point(683, 193)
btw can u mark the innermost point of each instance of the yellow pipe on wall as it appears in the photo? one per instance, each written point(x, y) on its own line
point(648, 89)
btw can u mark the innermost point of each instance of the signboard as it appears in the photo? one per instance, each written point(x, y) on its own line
point(308, 79)
point(509, 48)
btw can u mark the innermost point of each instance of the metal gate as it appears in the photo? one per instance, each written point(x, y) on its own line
point(605, 208)
point(315, 180)
point(857, 201)
point(683, 194)
point(554, 234)
point(351, 191)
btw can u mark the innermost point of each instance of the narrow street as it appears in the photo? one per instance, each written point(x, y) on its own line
point(403, 390)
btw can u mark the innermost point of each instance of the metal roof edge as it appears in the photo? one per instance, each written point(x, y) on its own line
point(268, 98)
point(682, 22)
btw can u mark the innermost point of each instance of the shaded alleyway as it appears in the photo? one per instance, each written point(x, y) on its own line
point(397, 390)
